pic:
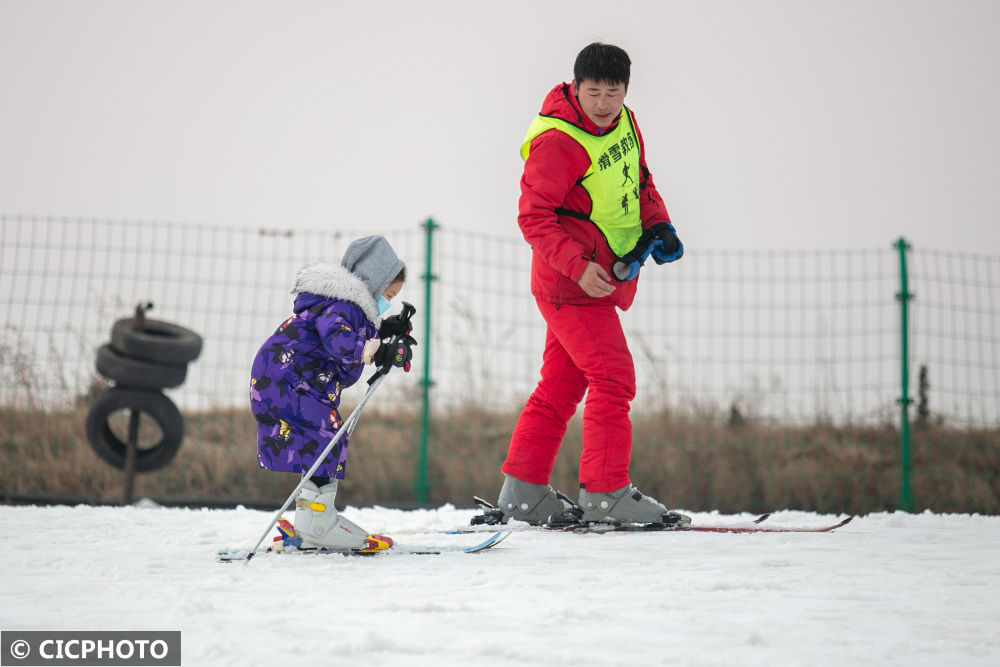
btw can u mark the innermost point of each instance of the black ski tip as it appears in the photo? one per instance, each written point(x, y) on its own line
point(762, 518)
point(837, 525)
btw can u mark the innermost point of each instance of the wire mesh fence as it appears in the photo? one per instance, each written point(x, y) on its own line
point(765, 379)
point(955, 336)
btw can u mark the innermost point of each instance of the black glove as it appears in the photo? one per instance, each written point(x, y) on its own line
point(397, 352)
point(394, 326)
point(668, 237)
point(651, 241)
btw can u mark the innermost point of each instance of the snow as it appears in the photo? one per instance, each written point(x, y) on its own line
point(887, 589)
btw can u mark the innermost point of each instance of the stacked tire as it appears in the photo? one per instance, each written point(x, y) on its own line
point(143, 358)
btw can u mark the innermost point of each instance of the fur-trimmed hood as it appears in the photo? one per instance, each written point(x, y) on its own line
point(333, 281)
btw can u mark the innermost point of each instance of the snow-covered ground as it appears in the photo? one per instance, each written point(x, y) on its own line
point(887, 589)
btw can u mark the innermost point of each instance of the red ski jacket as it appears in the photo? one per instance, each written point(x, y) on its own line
point(562, 245)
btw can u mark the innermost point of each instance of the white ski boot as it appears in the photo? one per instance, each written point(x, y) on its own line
point(627, 505)
point(534, 503)
point(320, 526)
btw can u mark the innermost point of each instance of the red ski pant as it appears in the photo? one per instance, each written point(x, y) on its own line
point(585, 352)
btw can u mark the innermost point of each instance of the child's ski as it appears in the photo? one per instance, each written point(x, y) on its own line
point(288, 543)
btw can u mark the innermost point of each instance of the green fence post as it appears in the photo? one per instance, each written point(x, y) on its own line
point(904, 297)
point(420, 486)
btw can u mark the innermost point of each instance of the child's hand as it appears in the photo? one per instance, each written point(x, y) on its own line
point(369, 350)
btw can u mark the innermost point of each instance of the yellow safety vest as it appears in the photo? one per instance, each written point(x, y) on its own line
point(612, 180)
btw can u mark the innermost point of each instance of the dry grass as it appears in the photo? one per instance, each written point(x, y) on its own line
point(694, 463)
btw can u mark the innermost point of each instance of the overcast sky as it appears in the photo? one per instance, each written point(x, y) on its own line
point(768, 125)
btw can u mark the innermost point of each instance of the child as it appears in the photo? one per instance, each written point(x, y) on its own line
point(301, 369)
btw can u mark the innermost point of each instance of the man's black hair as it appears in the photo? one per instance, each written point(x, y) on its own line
point(602, 63)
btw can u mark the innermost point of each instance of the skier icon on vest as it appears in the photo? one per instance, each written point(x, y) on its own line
point(625, 202)
point(628, 176)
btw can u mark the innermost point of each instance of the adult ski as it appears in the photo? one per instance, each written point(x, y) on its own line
point(600, 528)
point(570, 522)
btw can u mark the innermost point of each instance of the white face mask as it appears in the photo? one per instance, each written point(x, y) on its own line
point(382, 304)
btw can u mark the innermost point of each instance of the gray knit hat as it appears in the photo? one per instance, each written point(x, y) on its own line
point(374, 261)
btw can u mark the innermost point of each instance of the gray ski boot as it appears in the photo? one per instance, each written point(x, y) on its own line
point(627, 505)
point(534, 503)
point(319, 524)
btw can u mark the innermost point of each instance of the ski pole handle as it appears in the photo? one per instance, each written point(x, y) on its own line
point(408, 311)
point(405, 315)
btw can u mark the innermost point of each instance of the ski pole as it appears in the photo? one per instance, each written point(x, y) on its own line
point(347, 426)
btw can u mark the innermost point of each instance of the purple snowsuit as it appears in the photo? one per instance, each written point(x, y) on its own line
point(300, 370)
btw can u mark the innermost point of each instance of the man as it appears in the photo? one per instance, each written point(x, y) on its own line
point(588, 208)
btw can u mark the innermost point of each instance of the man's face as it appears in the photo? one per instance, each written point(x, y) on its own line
point(600, 100)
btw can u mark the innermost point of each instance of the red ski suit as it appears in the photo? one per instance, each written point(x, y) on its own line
point(585, 347)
